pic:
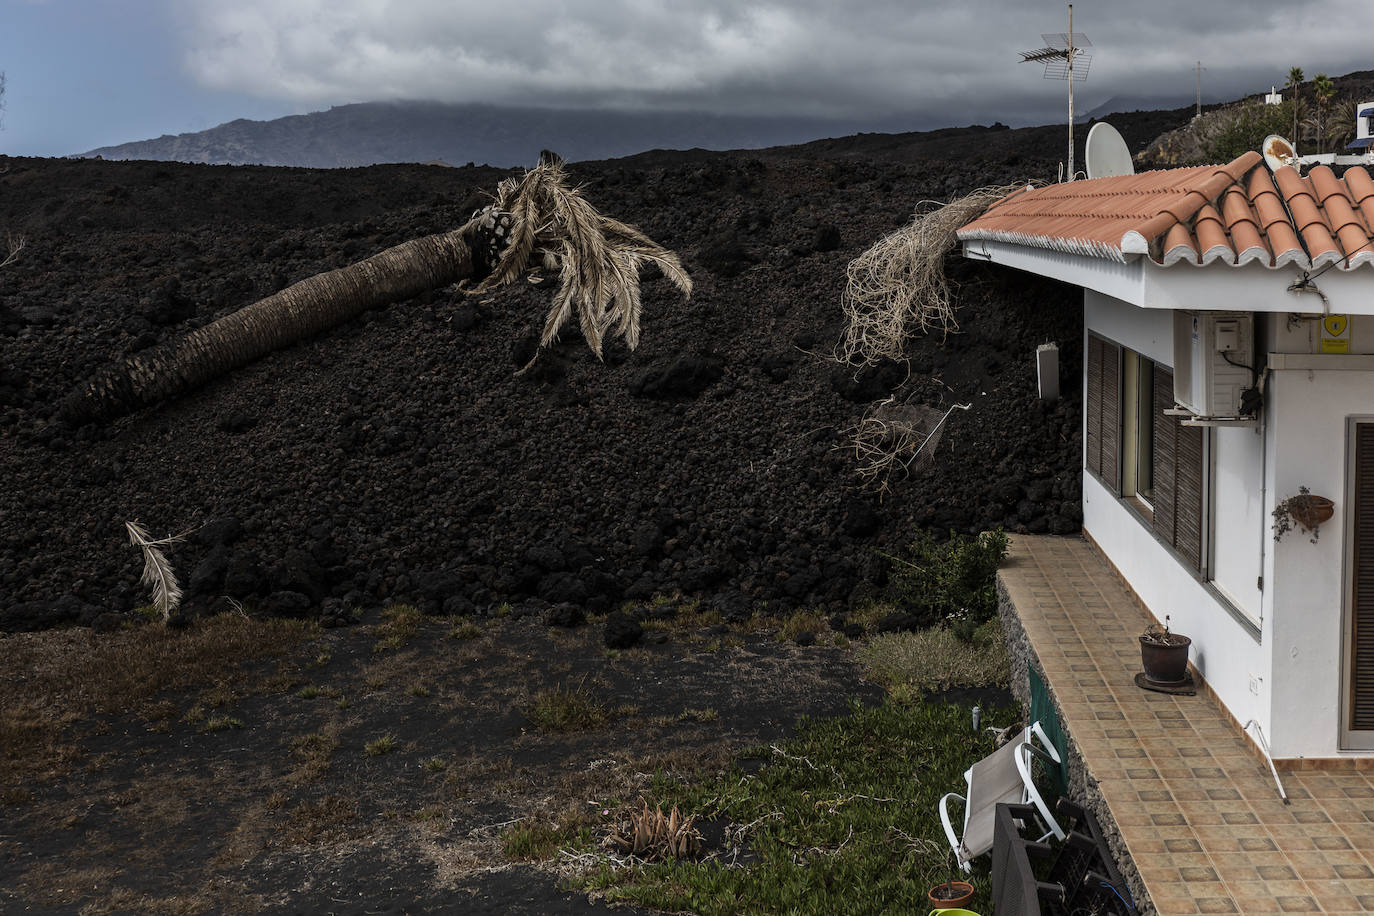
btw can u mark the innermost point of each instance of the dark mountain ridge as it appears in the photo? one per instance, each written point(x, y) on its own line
point(381, 132)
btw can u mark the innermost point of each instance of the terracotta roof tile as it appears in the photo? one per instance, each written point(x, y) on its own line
point(1274, 221)
point(1211, 236)
point(1179, 246)
point(1307, 217)
point(1236, 214)
point(1243, 225)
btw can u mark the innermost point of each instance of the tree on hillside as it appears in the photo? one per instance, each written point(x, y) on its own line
point(1295, 78)
point(1229, 132)
point(1324, 94)
point(536, 216)
point(1345, 117)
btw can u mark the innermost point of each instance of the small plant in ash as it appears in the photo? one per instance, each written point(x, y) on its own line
point(650, 834)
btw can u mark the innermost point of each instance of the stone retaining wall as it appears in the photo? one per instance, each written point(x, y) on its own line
point(1083, 789)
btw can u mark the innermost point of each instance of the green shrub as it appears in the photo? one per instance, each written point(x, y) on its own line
point(910, 665)
point(1241, 128)
point(953, 582)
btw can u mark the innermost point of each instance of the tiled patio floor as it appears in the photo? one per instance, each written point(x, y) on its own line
point(1199, 812)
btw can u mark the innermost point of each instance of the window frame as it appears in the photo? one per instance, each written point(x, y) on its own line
point(1178, 511)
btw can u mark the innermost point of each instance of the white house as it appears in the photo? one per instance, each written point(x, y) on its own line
point(1228, 362)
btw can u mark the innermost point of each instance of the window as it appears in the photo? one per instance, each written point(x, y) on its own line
point(1138, 429)
point(1141, 453)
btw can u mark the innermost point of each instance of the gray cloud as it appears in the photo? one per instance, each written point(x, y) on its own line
point(868, 58)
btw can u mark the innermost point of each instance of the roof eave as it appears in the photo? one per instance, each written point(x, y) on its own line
point(1086, 265)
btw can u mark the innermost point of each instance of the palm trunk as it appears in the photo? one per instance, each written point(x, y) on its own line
point(296, 313)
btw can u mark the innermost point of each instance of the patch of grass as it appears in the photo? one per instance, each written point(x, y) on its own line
point(537, 841)
point(566, 709)
point(910, 664)
point(313, 753)
point(465, 630)
point(398, 627)
point(313, 821)
point(418, 689)
point(687, 715)
point(309, 692)
point(839, 820)
point(380, 746)
point(319, 661)
point(689, 615)
point(221, 724)
point(435, 764)
point(803, 622)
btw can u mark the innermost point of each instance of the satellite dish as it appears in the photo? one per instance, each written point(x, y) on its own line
point(1278, 152)
point(1106, 153)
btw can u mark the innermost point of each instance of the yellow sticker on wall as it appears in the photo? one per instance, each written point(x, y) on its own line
point(1335, 334)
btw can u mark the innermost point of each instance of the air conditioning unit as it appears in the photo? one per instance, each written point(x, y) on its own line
point(1213, 353)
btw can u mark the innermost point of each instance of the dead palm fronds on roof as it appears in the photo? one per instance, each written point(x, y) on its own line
point(599, 259)
point(898, 287)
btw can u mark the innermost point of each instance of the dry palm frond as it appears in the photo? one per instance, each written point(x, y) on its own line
point(896, 438)
point(157, 571)
point(14, 244)
point(598, 258)
point(898, 287)
point(650, 834)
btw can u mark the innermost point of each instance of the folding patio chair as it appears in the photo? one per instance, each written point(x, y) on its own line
point(1005, 775)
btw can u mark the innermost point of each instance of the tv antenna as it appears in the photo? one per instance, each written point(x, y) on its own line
point(1062, 54)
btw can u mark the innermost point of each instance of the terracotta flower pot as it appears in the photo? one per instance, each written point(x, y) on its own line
point(961, 892)
point(1311, 511)
point(1165, 663)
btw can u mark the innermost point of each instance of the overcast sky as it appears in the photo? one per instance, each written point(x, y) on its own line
point(88, 73)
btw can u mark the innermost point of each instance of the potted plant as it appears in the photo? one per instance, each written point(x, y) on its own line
point(951, 895)
point(1164, 655)
point(1306, 511)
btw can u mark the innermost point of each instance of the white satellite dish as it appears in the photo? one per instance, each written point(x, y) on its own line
point(1278, 152)
point(1106, 153)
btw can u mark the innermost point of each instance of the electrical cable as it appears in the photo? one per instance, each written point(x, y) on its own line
point(1129, 905)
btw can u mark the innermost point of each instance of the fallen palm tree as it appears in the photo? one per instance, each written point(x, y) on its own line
point(536, 219)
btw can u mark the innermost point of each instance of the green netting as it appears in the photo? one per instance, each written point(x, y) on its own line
point(1042, 710)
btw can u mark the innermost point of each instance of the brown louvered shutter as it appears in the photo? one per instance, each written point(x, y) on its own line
point(1188, 494)
point(1362, 612)
point(1111, 416)
point(1165, 457)
point(1093, 408)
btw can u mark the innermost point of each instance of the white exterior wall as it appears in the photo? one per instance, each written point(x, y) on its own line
point(1312, 410)
point(1240, 521)
point(1225, 651)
